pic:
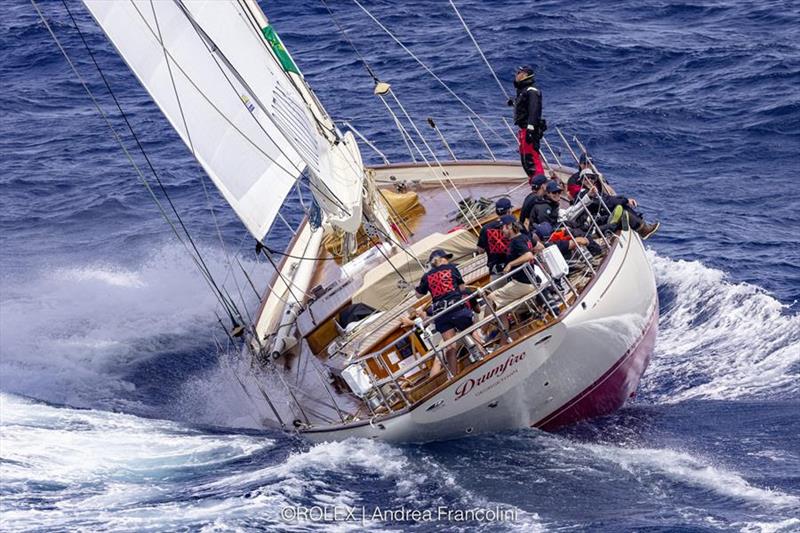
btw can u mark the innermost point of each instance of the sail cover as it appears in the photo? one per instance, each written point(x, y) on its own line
point(216, 76)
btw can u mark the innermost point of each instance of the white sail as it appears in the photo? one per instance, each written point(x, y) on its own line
point(211, 70)
point(338, 186)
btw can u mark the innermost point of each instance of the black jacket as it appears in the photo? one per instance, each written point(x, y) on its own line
point(545, 211)
point(528, 106)
point(526, 212)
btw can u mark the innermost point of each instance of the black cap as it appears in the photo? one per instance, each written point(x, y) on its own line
point(526, 69)
point(439, 253)
point(543, 230)
point(554, 186)
point(524, 76)
point(507, 219)
point(538, 180)
point(502, 205)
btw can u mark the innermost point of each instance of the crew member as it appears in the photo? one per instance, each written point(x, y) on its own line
point(520, 251)
point(561, 239)
point(536, 196)
point(528, 117)
point(446, 285)
point(547, 211)
point(620, 206)
point(575, 181)
point(492, 240)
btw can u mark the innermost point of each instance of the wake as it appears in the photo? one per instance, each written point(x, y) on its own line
point(720, 340)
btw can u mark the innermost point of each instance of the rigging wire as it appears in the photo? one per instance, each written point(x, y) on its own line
point(494, 75)
point(499, 84)
point(441, 167)
point(196, 256)
point(350, 41)
point(403, 132)
point(407, 139)
point(431, 72)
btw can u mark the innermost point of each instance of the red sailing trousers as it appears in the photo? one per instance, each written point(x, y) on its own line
point(529, 155)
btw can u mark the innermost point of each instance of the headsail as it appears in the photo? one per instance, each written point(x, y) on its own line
point(217, 78)
point(338, 188)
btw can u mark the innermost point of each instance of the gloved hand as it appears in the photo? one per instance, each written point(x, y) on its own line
point(530, 135)
point(510, 102)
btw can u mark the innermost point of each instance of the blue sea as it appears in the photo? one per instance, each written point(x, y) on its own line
point(118, 412)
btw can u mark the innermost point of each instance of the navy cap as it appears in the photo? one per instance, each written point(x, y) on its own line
point(585, 158)
point(538, 180)
point(502, 205)
point(439, 253)
point(526, 69)
point(544, 230)
point(507, 219)
point(553, 186)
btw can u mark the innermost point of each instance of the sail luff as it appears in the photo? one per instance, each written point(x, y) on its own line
point(291, 117)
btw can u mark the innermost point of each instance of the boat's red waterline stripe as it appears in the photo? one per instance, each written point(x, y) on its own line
point(609, 391)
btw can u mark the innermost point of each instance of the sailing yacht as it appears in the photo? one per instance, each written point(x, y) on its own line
point(330, 349)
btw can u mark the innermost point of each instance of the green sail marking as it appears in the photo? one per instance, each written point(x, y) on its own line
point(280, 52)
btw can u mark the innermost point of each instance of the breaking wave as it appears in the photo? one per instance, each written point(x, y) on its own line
point(80, 335)
point(64, 468)
point(719, 339)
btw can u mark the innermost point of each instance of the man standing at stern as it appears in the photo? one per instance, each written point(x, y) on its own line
point(528, 117)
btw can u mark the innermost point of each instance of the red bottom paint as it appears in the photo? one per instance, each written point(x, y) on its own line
point(610, 391)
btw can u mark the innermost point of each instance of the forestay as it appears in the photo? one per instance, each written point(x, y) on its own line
point(224, 81)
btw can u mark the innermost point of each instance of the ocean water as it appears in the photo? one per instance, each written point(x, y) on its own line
point(118, 411)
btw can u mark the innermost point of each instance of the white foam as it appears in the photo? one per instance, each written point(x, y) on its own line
point(721, 340)
point(69, 334)
point(98, 464)
point(684, 468)
point(302, 477)
point(108, 274)
point(790, 525)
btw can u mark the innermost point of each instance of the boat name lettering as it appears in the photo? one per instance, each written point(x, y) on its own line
point(496, 372)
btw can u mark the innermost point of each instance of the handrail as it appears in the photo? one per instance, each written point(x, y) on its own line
point(437, 350)
point(448, 309)
point(462, 334)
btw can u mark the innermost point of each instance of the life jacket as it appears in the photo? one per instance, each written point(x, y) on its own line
point(442, 284)
point(498, 242)
point(560, 235)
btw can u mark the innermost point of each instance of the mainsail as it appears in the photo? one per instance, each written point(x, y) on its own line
point(222, 77)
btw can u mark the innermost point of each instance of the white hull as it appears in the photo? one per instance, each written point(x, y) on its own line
point(584, 365)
